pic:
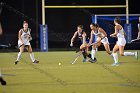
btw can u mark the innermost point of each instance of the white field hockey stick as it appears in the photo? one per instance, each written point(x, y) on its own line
point(77, 57)
point(135, 39)
point(80, 54)
point(29, 38)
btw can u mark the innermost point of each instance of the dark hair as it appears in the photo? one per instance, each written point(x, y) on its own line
point(81, 26)
point(117, 19)
point(95, 25)
point(25, 22)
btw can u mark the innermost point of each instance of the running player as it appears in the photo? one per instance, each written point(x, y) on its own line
point(120, 44)
point(2, 81)
point(1, 29)
point(24, 42)
point(101, 38)
point(138, 29)
point(83, 47)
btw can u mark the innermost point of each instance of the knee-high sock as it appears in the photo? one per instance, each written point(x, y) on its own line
point(115, 57)
point(32, 57)
point(129, 54)
point(93, 52)
point(19, 56)
point(89, 55)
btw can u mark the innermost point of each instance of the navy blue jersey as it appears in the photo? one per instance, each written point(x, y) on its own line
point(80, 37)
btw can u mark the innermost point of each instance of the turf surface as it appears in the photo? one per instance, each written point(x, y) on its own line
point(50, 77)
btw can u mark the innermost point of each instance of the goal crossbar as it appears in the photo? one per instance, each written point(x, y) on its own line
point(85, 6)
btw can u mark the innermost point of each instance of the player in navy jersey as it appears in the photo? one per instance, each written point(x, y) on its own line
point(81, 35)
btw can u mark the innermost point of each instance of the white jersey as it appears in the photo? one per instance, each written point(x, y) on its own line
point(121, 38)
point(121, 34)
point(99, 34)
point(24, 37)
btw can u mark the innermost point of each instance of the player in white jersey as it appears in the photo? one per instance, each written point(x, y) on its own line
point(24, 38)
point(138, 37)
point(101, 38)
point(120, 34)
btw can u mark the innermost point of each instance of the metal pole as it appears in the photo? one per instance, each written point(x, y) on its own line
point(127, 12)
point(37, 41)
point(43, 12)
point(95, 19)
point(87, 6)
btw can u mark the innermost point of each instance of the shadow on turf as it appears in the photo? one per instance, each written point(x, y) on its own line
point(53, 77)
point(73, 84)
point(129, 81)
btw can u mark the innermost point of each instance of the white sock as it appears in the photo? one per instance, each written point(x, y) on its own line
point(115, 56)
point(93, 53)
point(19, 56)
point(129, 54)
point(32, 57)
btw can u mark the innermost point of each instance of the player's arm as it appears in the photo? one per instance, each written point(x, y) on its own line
point(84, 37)
point(103, 33)
point(72, 39)
point(138, 27)
point(1, 29)
point(91, 38)
point(30, 37)
point(138, 30)
point(19, 35)
point(116, 32)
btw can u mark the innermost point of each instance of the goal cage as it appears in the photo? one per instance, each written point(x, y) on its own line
point(44, 28)
point(107, 23)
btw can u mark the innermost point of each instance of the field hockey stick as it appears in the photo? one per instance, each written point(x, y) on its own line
point(77, 57)
point(29, 39)
point(135, 39)
point(91, 44)
point(80, 54)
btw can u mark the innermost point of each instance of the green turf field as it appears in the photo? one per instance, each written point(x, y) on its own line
point(50, 77)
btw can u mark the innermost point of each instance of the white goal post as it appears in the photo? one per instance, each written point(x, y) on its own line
point(86, 6)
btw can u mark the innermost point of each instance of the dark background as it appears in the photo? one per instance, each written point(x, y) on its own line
point(61, 22)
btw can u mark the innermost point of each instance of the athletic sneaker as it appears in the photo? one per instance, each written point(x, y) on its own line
point(16, 62)
point(3, 82)
point(84, 60)
point(115, 64)
point(35, 62)
point(93, 60)
point(136, 55)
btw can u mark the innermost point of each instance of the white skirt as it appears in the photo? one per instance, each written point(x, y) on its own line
point(24, 42)
point(105, 40)
point(121, 42)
